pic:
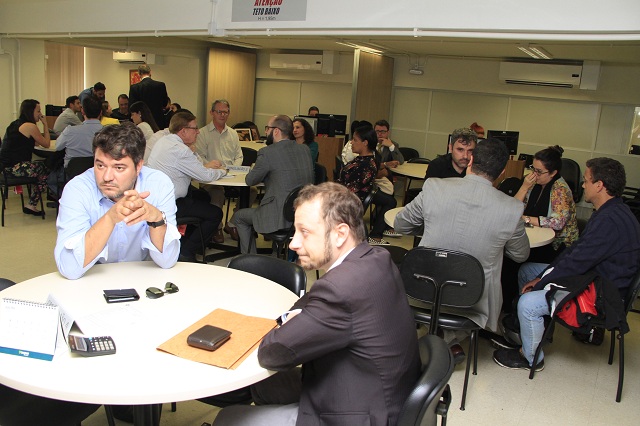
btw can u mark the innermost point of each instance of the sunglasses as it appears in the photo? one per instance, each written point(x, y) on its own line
point(155, 292)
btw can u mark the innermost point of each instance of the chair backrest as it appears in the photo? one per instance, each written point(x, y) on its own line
point(632, 292)
point(249, 156)
point(336, 171)
point(287, 274)
point(419, 160)
point(409, 153)
point(459, 274)
point(510, 186)
point(77, 166)
point(369, 198)
point(5, 283)
point(321, 174)
point(288, 210)
point(431, 395)
point(571, 173)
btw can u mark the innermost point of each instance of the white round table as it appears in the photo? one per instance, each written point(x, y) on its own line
point(412, 170)
point(138, 374)
point(538, 236)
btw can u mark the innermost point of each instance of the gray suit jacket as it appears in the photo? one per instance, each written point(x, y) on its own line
point(471, 216)
point(357, 342)
point(282, 167)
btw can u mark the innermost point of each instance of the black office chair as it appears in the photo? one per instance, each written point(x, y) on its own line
point(5, 283)
point(287, 274)
point(7, 180)
point(280, 238)
point(76, 166)
point(632, 295)
point(197, 222)
point(431, 395)
point(397, 254)
point(338, 168)
point(419, 160)
point(571, 173)
point(412, 193)
point(320, 174)
point(249, 156)
point(510, 186)
point(448, 278)
point(409, 153)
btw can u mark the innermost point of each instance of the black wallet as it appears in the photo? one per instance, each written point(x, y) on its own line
point(121, 295)
point(208, 337)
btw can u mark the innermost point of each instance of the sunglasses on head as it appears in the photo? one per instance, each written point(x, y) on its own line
point(155, 292)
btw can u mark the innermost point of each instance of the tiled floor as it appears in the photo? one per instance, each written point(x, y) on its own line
point(577, 386)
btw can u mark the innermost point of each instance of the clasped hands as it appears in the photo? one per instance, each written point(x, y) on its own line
point(132, 208)
point(529, 286)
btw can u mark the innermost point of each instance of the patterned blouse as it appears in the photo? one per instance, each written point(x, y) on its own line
point(562, 214)
point(359, 174)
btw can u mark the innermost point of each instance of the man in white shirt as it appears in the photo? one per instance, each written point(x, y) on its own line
point(219, 142)
point(174, 155)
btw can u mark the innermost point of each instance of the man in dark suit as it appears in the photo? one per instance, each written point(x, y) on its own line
point(283, 166)
point(353, 332)
point(151, 92)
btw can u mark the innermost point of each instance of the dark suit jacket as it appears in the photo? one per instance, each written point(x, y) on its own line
point(282, 167)
point(356, 339)
point(154, 94)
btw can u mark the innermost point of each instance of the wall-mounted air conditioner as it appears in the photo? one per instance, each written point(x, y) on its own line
point(583, 76)
point(324, 63)
point(134, 58)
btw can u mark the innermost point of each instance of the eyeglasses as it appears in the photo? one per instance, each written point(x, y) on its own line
point(221, 112)
point(189, 127)
point(537, 171)
point(381, 131)
point(266, 128)
point(155, 292)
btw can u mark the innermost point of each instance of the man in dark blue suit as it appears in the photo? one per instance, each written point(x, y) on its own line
point(151, 92)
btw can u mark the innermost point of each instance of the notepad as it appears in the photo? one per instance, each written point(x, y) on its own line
point(28, 329)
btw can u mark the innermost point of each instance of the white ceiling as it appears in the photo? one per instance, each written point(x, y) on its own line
point(624, 52)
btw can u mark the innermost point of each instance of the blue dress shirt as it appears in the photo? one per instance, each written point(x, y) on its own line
point(82, 204)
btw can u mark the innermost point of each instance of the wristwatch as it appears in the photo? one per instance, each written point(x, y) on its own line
point(158, 223)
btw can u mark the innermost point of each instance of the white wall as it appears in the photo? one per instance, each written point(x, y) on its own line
point(454, 93)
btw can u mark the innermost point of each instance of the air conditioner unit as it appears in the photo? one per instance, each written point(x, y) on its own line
point(551, 75)
point(134, 58)
point(295, 62)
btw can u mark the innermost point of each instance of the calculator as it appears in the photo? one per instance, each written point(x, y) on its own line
point(92, 346)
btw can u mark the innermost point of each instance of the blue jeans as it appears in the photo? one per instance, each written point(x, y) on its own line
point(532, 307)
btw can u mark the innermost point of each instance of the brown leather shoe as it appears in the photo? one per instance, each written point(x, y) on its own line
point(232, 231)
point(218, 237)
point(458, 353)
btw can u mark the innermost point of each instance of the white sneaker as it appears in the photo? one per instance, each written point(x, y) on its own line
point(391, 233)
point(380, 242)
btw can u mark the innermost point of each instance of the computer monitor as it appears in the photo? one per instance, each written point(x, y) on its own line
point(510, 139)
point(331, 124)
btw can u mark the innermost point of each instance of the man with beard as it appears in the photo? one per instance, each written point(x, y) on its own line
point(353, 332)
point(454, 164)
point(283, 166)
point(117, 211)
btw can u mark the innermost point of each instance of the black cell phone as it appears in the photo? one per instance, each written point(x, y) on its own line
point(208, 337)
point(121, 295)
point(92, 346)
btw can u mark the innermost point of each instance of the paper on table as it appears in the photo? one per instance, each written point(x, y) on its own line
point(246, 334)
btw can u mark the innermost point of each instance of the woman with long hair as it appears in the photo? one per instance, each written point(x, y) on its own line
point(549, 203)
point(303, 134)
point(17, 148)
point(106, 115)
point(142, 117)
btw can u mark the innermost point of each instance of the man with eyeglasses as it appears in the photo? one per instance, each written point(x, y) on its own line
point(390, 155)
point(454, 164)
point(283, 166)
point(609, 245)
point(175, 155)
point(218, 143)
point(122, 113)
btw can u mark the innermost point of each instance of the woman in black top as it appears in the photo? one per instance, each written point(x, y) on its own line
point(17, 149)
